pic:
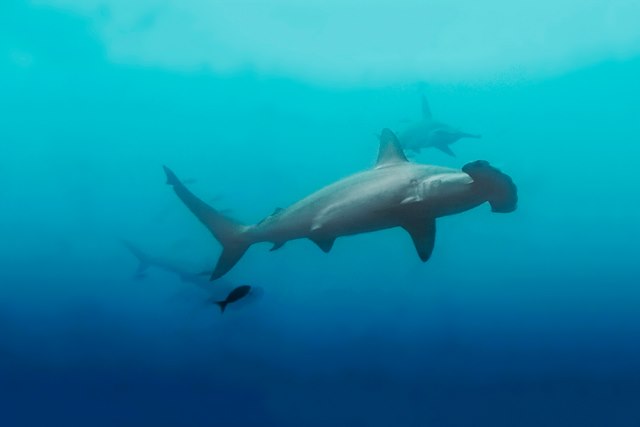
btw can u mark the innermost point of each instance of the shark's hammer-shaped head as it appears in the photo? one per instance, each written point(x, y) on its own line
point(448, 192)
point(496, 186)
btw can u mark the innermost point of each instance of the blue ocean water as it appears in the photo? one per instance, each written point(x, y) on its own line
point(521, 319)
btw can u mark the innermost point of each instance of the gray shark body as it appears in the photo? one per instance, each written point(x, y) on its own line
point(147, 261)
point(189, 275)
point(430, 133)
point(395, 193)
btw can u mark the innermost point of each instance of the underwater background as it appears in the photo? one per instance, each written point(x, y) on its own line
point(522, 319)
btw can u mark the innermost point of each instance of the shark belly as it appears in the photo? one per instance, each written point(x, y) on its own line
point(358, 204)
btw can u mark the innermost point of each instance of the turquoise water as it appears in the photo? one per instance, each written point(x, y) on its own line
point(521, 319)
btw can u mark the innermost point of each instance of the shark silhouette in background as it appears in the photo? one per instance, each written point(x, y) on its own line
point(429, 132)
point(187, 275)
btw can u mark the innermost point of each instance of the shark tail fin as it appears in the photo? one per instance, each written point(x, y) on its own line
point(143, 259)
point(231, 234)
point(222, 305)
point(501, 192)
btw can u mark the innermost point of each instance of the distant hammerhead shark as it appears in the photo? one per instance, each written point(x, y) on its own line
point(431, 133)
point(145, 261)
point(395, 193)
point(187, 275)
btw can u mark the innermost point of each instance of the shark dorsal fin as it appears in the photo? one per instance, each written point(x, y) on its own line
point(426, 110)
point(390, 150)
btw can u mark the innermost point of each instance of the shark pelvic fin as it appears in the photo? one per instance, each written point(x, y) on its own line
point(277, 246)
point(390, 152)
point(426, 110)
point(423, 234)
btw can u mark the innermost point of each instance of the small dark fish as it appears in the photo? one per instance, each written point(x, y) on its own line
point(235, 295)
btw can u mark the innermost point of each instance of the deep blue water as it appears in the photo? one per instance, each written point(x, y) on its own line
point(521, 319)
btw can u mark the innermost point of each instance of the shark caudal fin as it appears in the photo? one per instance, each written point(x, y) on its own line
point(501, 192)
point(231, 234)
point(143, 259)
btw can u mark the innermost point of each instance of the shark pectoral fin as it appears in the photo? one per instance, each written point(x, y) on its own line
point(424, 237)
point(276, 246)
point(445, 149)
point(426, 110)
point(324, 243)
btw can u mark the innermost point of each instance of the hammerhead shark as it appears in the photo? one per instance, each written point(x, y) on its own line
point(431, 133)
point(146, 261)
point(395, 193)
point(189, 275)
